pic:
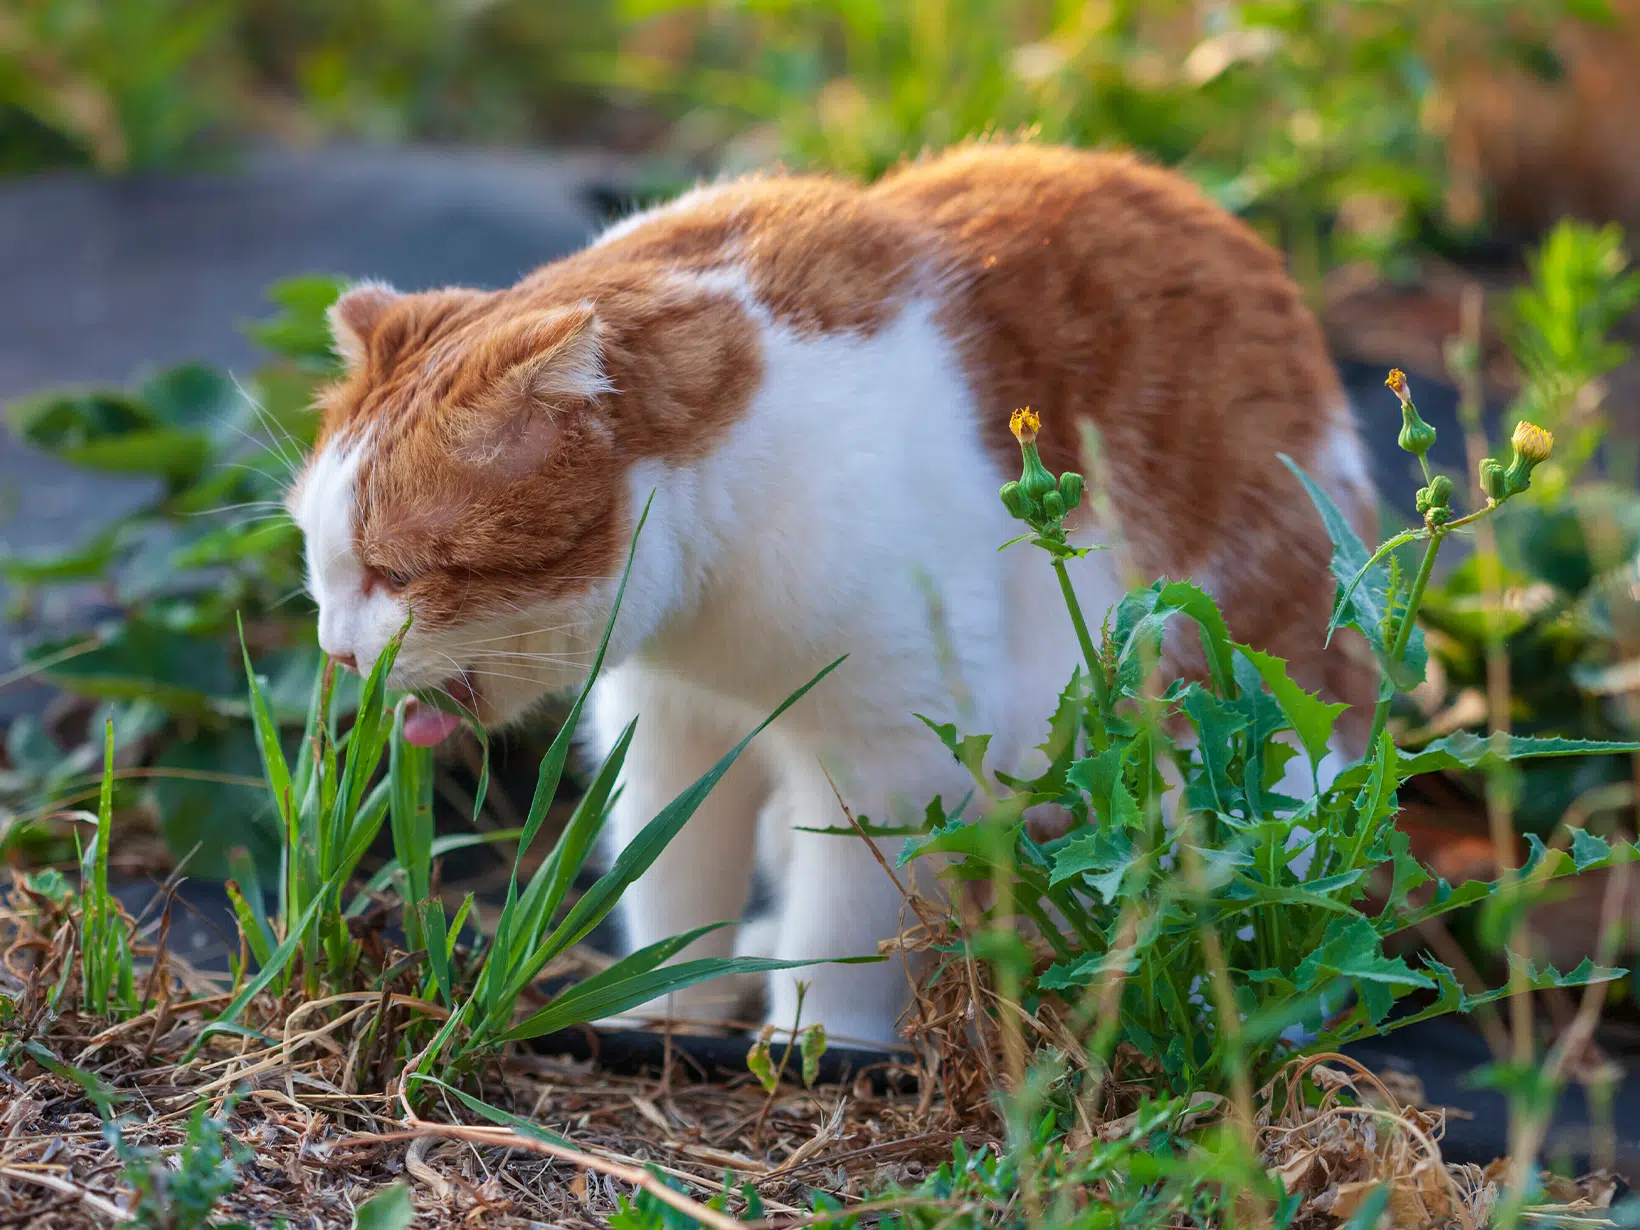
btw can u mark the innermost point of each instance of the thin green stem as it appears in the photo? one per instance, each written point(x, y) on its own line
point(1403, 630)
point(1090, 655)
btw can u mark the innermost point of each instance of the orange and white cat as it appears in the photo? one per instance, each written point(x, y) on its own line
point(814, 379)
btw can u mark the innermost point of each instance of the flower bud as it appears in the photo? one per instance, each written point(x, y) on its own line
point(1013, 499)
point(1421, 501)
point(1070, 489)
point(1440, 491)
point(1492, 480)
point(1417, 437)
point(1053, 505)
point(1532, 445)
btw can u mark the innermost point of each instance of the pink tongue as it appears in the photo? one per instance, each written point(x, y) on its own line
point(426, 726)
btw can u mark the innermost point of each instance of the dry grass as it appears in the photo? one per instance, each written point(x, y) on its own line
point(327, 1124)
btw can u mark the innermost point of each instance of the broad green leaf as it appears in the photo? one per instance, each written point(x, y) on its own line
point(1188, 599)
point(1103, 856)
point(1066, 975)
point(1216, 724)
point(1352, 948)
point(193, 396)
point(1310, 717)
point(141, 660)
point(1341, 604)
point(389, 1209)
point(1141, 618)
point(1588, 850)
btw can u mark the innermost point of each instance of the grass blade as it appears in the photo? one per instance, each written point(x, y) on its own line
point(589, 1002)
point(643, 850)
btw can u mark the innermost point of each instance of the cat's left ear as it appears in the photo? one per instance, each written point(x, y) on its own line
point(355, 317)
point(541, 366)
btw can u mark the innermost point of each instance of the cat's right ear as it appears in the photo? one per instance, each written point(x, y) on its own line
point(355, 317)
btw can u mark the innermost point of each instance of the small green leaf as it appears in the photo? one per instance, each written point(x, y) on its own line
point(812, 1045)
point(760, 1063)
point(1352, 948)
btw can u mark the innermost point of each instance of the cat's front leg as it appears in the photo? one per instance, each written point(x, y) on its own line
point(704, 874)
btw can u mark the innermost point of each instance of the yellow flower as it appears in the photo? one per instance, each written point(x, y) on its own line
point(1532, 442)
point(1025, 423)
point(1397, 383)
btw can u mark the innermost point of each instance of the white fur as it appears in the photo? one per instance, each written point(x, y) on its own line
point(856, 481)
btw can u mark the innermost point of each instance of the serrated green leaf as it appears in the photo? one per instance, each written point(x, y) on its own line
point(1351, 948)
point(1103, 856)
point(968, 749)
point(1101, 777)
point(1216, 725)
point(1588, 849)
point(1309, 716)
point(1366, 604)
point(1464, 750)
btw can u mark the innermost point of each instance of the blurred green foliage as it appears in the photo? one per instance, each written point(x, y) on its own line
point(1562, 595)
point(1323, 120)
point(126, 85)
point(214, 543)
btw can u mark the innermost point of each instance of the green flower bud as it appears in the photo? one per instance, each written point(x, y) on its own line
point(1439, 516)
point(1053, 505)
point(1417, 437)
point(1421, 501)
point(1440, 492)
point(1015, 501)
point(1070, 489)
point(1492, 480)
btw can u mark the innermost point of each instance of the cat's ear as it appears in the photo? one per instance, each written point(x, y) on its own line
point(542, 365)
point(562, 358)
point(355, 317)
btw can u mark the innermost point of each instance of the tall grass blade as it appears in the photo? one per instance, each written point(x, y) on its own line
point(643, 850)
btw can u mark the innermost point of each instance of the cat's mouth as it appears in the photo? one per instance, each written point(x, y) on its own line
point(426, 725)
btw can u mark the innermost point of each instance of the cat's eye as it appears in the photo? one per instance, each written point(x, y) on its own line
point(388, 578)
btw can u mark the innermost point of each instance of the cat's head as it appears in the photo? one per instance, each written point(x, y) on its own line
point(466, 473)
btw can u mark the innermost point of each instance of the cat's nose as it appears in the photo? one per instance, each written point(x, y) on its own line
point(348, 660)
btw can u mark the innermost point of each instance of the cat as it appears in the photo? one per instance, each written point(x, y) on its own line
point(813, 380)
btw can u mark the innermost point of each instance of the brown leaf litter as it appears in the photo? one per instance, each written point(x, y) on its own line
point(326, 1124)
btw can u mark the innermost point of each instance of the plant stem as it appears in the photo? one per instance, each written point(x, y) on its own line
point(1403, 630)
point(1090, 655)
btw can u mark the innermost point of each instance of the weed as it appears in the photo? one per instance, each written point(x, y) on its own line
point(183, 1196)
